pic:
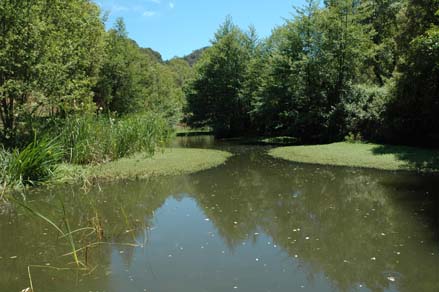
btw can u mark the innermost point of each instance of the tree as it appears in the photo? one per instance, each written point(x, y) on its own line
point(183, 71)
point(19, 55)
point(49, 59)
point(312, 61)
point(117, 89)
point(133, 79)
point(382, 16)
point(413, 115)
point(214, 96)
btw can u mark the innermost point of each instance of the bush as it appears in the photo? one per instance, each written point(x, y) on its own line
point(365, 108)
point(353, 138)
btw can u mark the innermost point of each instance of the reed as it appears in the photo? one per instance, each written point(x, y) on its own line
point(96, 139)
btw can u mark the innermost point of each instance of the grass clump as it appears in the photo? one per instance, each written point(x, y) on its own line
point(32, 165)
point(376, 156)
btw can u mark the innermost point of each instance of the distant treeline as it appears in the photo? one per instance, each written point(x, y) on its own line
point(57, 60)
point(368, 69)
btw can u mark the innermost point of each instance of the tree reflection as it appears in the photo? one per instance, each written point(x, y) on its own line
point(350, 225)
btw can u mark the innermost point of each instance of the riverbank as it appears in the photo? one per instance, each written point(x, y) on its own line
point(171, 161)
point(386, 157)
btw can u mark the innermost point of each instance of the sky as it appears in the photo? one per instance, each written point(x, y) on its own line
point(177, 27)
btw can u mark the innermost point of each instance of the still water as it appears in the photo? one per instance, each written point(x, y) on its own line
point(254, 224)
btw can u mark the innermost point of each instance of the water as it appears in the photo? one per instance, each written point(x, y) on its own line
point(253, 224)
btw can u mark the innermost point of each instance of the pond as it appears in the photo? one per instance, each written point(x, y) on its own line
point(253, 224)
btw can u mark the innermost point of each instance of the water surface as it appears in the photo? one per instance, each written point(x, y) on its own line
point(253, 224)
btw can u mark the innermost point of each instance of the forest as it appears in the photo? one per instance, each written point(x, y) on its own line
point(73, 91)
point(368, 70)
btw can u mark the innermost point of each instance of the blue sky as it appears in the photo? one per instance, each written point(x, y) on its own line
point(177, 27)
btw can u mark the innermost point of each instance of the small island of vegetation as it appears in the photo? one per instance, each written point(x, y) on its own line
point(363, 155)
point(171, 161)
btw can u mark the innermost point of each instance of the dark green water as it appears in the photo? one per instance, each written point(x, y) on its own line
point(253, 224)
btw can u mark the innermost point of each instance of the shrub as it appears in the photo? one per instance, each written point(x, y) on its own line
point(365, 108)
point(353, 138)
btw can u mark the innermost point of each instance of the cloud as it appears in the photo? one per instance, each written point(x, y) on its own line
point(155, 1)
point(171, 5)
point(149, 13)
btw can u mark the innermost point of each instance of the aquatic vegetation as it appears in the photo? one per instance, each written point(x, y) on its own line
point(171, 161)
point(94, 139)
point(79, 241)
point(32, 165)
point(363, 155)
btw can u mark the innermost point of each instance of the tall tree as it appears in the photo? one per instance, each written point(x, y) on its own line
point(118, 89)
point(214, 96)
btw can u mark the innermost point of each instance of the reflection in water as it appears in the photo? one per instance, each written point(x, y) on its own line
point(253, 224)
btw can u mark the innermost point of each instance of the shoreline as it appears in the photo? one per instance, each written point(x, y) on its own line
point(166, 162)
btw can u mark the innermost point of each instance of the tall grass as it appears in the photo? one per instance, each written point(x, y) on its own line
point(91, 139)
point(82, 139)
point(32, 165)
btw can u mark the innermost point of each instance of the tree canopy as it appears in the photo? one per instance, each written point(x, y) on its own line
point(363, 67)
point(57, 60)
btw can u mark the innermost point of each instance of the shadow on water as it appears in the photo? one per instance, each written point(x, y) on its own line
point(255, 223)
point(420, 159)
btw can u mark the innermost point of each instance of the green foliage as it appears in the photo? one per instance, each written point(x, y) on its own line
point(164, 94)
point(214, 96)
point(363, 67)
point(4, 161)
point(413, 113)
point(90, 139)
point(293, 84)
point(365, 107)
point(172, 161)
point(193, 57)
point(133, 80)
point(34, 164)
point(50, 52)
point(366, 155)
point(118, 88)
point(182, 70)
point(353, 138)
point(312, 62)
